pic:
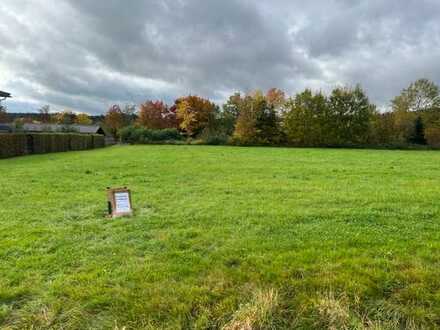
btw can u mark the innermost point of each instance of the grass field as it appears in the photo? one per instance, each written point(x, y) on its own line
point(222, 237)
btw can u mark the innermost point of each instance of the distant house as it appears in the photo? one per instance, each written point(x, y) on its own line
point(6, 128)
point(57, 128)
point(82, 129)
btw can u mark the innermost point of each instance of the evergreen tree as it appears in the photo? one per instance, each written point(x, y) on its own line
point(417, 108)
point(418, 136)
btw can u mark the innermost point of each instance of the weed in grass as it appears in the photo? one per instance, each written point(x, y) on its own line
point(333, 313)
point(256, 314)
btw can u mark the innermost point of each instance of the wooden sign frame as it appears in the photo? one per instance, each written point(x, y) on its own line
point(119, 206)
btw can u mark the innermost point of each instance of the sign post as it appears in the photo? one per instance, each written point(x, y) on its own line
point(119, 202)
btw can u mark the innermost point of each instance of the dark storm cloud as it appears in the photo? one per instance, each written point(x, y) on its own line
point(85, 55)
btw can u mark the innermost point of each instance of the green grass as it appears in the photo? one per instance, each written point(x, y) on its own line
point(222, 237)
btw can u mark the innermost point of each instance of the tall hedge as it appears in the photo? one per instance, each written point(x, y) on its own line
point(98, 141)
point(78, 142)
point(40, 143)
point(60, 142)
point(12, 144)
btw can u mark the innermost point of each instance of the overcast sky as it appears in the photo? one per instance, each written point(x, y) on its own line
point(84, 55)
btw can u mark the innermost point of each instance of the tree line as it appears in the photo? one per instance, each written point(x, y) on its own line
point(343, 117)
point(45, 116)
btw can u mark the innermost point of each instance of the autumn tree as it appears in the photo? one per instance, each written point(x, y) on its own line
point(83, 119)
point(114, 119)
point(276, 98)
point(257, 122)
point(245, 131)
point(157, 115)
point(231, 111)
point(193, 113)
point(65, 117)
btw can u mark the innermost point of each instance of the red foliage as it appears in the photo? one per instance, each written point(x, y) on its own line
point(114, 118)
point(157, 115)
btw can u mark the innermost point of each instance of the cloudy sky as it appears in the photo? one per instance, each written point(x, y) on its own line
point(85, 55)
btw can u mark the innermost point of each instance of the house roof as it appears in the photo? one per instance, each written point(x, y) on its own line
point(4, 94)
point(84, 129)
point(5, 128)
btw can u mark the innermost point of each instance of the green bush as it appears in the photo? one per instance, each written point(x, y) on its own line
point(12, 145)
point(216, 140)
point(135, 135)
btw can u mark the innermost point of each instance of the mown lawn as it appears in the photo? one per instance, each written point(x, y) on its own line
point(222, 237)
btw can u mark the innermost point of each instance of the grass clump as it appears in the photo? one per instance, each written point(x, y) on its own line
point(333, 312)
point(259, 313)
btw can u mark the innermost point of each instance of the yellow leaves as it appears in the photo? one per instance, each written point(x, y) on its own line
point(187, 116)
point(83, 119)
point(193, 113)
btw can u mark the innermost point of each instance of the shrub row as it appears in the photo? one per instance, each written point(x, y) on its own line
point(19, 144)
point(134, 135)
point(12, 145)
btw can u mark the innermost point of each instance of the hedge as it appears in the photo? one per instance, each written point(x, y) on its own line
point(12, 145)
point(98, 141)
point(18, 144)
point(80, 142)
point(40, 143)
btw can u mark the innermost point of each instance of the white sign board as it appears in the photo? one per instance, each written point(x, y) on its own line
point(119, 202)
point(122, 202)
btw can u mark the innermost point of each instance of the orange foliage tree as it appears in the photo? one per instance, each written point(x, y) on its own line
point(193, 113)
point(157, 115)
point(276, 98)
point(114, 119)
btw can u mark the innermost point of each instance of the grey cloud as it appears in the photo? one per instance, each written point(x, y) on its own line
point(87, 55)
